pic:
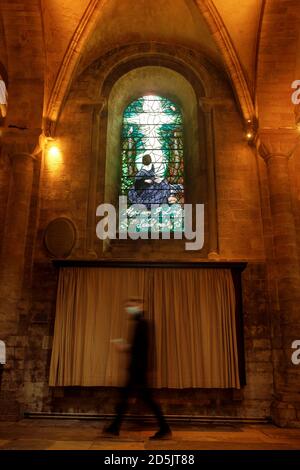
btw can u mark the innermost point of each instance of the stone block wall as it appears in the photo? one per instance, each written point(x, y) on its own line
point(34, 349)
point(61, 190)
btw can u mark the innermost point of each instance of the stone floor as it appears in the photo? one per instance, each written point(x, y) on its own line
point(52, 434)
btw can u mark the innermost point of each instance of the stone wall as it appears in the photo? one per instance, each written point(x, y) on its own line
point(63, 191)
point(252, 195)
point(253, 400)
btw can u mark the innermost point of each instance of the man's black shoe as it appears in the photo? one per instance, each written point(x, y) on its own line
point(110, 431)
point(161, 434)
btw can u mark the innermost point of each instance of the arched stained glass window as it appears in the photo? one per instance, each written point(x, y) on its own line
point(152, 161)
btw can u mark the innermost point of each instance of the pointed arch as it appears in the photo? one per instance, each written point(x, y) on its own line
point(231, 60)
point(70, 61)
point(85, 28)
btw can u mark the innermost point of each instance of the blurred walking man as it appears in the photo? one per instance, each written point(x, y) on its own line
point(137, 382)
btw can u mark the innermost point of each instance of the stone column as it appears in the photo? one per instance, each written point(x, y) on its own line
point(207, 106)
point(276, 147)
point(19, 147)
point(98, 112)
point(20, 153)
point(4, 188)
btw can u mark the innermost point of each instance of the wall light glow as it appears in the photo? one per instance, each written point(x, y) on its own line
point(54, 152)
point(54, 156)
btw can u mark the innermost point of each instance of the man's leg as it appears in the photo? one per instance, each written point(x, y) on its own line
point(121, 408)
point(164, 429)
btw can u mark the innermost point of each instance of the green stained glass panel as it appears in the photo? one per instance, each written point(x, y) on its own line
point(152, 154)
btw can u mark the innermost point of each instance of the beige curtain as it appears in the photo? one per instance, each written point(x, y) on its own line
point(194, 317)
point(193, 312)
point(90, 312)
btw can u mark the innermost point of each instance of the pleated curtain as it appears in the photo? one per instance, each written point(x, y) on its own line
point(192, 309)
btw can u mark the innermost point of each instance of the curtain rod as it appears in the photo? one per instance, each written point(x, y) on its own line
point(85, 263)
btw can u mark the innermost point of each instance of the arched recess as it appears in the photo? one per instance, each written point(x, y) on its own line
point(158, 72)
point(84, 32)
point(154, 80)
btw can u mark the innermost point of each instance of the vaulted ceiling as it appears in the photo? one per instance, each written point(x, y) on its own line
point(178, 21)
point(48, 41)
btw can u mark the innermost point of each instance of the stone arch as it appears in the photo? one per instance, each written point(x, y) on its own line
point(99, 80)
point(156, 80)
point(84, 30)
point(231, 60)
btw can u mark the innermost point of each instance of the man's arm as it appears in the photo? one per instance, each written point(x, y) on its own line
point(121, 345)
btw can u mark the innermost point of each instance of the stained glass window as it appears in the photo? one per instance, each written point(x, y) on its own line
point(152, 162)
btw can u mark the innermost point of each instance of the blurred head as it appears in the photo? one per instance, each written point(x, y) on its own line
point(146, 159)
point(135, 308)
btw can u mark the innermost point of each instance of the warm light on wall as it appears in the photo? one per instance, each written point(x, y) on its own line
point(54, 152)
point(54, 156)
point(251, 127)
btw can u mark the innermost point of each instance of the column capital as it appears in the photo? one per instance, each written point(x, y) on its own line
point(96, 106)
point(207, 104)
point(21, 142)
point(277, 143)
point(21, 155)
